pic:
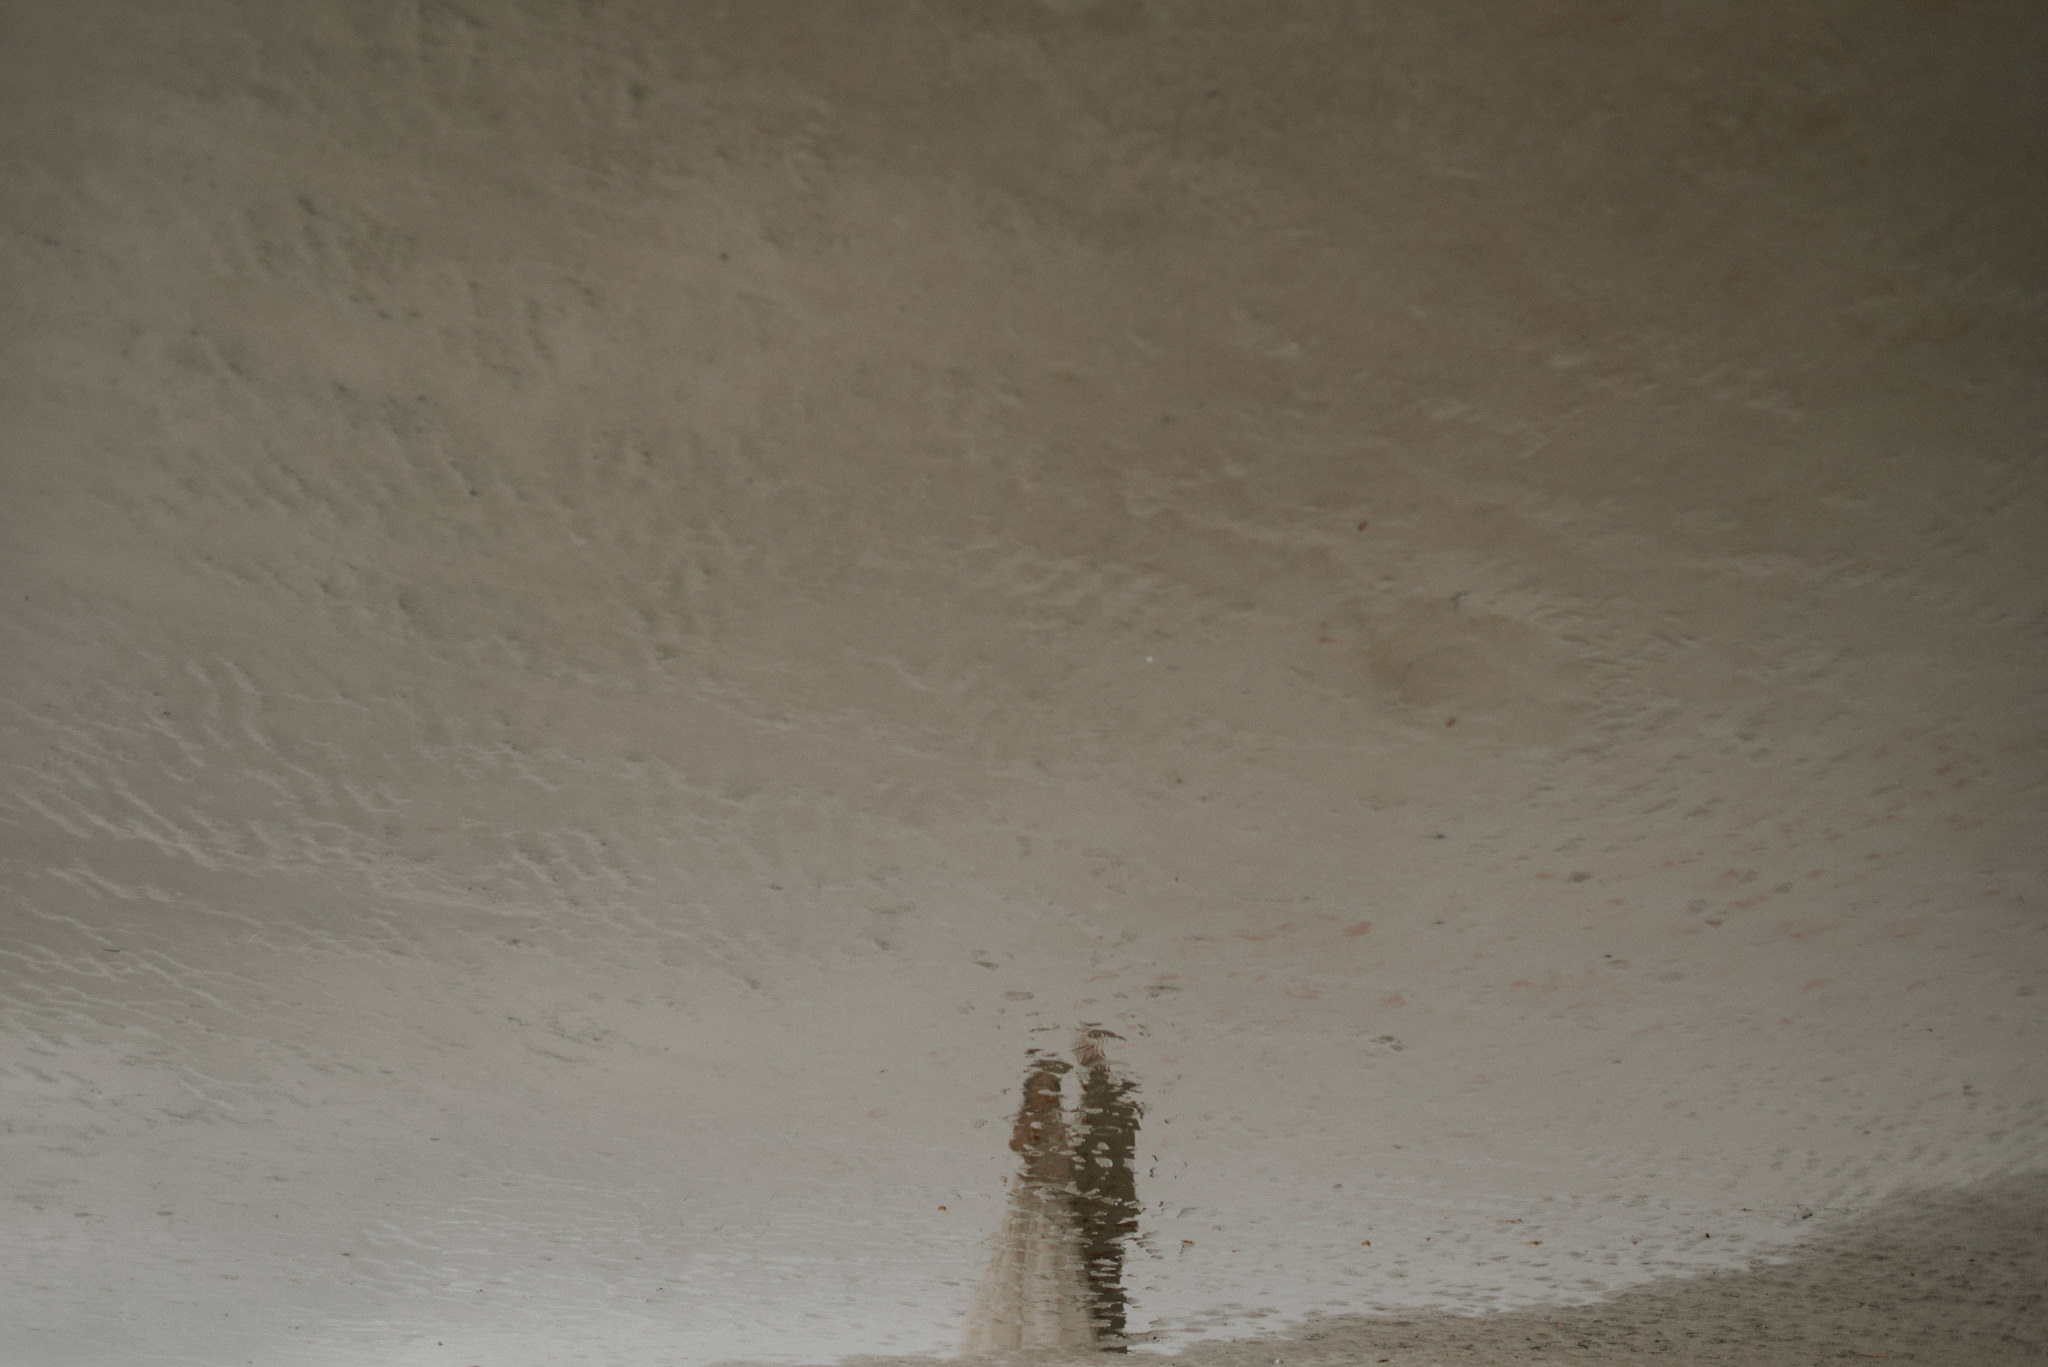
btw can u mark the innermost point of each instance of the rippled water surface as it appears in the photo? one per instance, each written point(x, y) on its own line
point(772, 682)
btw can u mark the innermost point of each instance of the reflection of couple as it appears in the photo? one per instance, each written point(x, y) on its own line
point(1056, 1278)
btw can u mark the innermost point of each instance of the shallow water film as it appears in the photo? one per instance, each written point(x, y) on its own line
point(1256, 681)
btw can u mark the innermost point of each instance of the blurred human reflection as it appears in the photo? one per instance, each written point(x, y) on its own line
point(1055, 1279)
point(1105, 1182)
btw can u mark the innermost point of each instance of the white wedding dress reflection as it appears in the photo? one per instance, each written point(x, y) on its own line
point(1035, 1293)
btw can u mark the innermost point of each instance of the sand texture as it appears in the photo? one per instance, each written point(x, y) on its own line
point(611, 610)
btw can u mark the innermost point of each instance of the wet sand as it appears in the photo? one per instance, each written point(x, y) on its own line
point(608, 609)
point(1939, 1277)
point(1951, 1278)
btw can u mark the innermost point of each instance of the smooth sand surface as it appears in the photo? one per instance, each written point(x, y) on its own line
point(611, 607)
